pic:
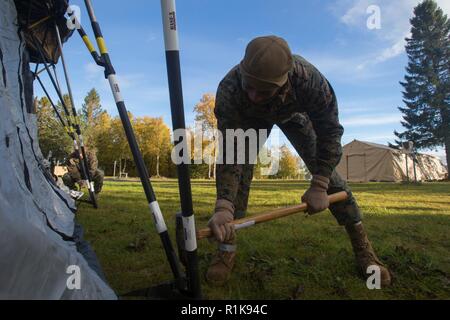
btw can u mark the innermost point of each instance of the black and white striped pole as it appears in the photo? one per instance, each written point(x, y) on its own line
point(178, 123)
point(110, 74)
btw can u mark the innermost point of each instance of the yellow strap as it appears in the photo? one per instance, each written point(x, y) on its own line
point(38, 22)
point(73, 120)
point(88, 43)
point(102, 45)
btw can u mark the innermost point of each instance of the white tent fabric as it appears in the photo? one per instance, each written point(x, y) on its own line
point(365, 161)
point(36, 217)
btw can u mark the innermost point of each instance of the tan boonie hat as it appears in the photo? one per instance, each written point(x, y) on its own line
point(266, 63)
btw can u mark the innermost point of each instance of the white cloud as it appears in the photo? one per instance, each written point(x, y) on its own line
point(95, 74)
point(384, 104)
point(396, 49)
point(445, 5)
point(375, 138)
point(346, 69)
point(370, 120)
point(386, 54)
point(355, 13)
point(395, 25)
point(93, 71)
point(151, 37)
point(130, 80)
point(354, 109)
point(440, 153)
point(139, 92)
point(154, 94)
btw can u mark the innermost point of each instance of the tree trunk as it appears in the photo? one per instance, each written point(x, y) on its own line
point(214, 161)
point(157, 165)
point(447, 155)
point(120, 168)
point(445, 114)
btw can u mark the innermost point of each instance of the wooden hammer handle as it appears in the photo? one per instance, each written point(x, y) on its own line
point(271, 215)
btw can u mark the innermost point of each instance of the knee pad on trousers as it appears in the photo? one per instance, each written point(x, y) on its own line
point(346, 212)
point(239, 214)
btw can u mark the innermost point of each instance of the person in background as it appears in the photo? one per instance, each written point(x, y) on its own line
point(74, 176)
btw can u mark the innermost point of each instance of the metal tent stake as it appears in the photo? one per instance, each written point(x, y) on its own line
point(178, 123)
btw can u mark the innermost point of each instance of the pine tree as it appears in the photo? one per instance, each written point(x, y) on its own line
point(91, 113)
point(426, 93)
point(91, 109)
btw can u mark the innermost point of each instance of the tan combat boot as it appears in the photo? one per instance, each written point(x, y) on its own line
point(219, 270)
point(364, 253)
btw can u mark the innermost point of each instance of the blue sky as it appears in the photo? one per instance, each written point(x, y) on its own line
point(363, 65)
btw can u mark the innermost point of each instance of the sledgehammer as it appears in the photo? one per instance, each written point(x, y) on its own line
point(271, 215)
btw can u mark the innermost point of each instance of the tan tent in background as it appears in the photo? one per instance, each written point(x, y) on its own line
point(366, 161)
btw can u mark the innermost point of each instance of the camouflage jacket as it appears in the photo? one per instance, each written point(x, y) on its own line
point(307, 93)
point(73, 164)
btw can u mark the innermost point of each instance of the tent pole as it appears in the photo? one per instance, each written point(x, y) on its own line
point(407, 167)
point(76, 120)
point(178, 123)
point(56, 77)
point(58, 115)
point(346, 163)
point(110, 74)
point(414, 158)
point(84, 170)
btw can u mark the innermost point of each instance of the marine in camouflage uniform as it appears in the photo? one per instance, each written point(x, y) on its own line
point(305, 108)
point(306, 111)
point(73, 175)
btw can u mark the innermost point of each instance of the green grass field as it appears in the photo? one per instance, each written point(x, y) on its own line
point(293, 258)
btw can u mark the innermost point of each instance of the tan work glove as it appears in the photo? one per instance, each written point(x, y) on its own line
point(316, 196)
point(220, 223)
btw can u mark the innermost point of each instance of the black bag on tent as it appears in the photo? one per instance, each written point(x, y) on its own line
point(37, 17)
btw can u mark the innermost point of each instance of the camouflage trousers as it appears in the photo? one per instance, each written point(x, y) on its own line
point(302, 136)
point(97, 178)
